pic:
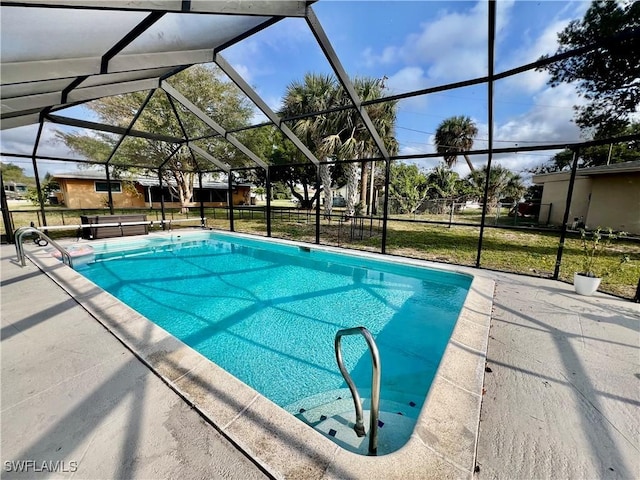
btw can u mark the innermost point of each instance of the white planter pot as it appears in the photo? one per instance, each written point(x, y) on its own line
point(585, 285)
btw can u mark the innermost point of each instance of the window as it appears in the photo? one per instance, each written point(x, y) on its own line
point(104, 187)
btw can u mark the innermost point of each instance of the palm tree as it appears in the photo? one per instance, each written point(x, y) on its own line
point(340, 135)
point(351, 140)
point(315, 93)
point(455, 134)
point(443, 181)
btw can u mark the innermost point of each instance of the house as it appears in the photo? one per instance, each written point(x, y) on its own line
point(89, 189)
point(606, 196)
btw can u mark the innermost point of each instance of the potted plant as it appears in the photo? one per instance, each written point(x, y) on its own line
point(588, 279)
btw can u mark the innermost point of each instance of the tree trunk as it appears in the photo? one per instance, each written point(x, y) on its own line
point(184, 183)
point(325, 178)
point(466, 157)
point(364, 180)
point(370, 205)
point(351, 172)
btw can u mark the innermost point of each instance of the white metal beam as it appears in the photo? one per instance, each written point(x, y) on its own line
point(29, 102)
point(277, 8)
point(20, 72)
point(99, 91)
point(20, 121)
point(74, 122)
point(207, 156)
point(211, 123)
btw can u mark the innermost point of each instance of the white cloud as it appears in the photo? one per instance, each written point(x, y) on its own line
point(18, 140)
point(451, 47)
point(532, 48)
point(243, 71)
point(549, 121)
point(388, 56)
point(410, 150)
point(532, 80)
point(407, 79)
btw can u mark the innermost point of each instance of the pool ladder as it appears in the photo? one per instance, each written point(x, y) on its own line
point(375, 386)
point(22, 231)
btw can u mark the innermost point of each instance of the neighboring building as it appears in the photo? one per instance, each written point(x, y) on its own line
point(606, 196)
point(89, 189)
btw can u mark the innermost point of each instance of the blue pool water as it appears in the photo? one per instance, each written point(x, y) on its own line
point(268, 312)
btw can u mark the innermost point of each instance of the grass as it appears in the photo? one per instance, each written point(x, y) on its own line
point(516, 251)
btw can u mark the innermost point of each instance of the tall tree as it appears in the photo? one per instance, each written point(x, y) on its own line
point(204, 87)
point(609, 76)
point(14, 173)
point(455, 134)
point(408, 187)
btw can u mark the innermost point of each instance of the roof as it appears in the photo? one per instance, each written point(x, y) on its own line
point(612, 169)
point(56, 53)
point(144, 180)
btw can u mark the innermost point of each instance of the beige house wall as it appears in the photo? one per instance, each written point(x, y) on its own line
point(615, 203)
point(554, 197)
point(80, 193)
point(190, 205)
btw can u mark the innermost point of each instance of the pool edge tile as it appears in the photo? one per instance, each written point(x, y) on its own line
point(283, 442)
point(449, 422)
point(215, 392)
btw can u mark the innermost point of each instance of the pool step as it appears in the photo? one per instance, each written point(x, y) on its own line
point(406, 403)
point(393, 431)
point(343, 405)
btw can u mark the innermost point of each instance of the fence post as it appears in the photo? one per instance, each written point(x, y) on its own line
point(230, 202)
point(563, 232)
point(453, 206)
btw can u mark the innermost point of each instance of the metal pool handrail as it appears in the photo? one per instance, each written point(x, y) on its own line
point(22, 231)
point(375, 385)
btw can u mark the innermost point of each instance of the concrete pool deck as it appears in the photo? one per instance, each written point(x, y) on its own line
point(561, 399)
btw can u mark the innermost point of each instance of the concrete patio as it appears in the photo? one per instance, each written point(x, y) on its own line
point(561, 398)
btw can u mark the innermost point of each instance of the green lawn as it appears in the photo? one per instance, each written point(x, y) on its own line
point(531, 253)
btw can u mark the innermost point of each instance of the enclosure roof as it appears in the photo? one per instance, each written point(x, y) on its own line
point(56, 53)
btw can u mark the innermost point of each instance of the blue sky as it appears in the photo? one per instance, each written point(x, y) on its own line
point(418, 44)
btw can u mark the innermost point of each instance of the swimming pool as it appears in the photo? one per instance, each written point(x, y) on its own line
point(445, 432)
point(268, 314)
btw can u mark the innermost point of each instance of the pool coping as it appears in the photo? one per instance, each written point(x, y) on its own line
point(443, 444)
